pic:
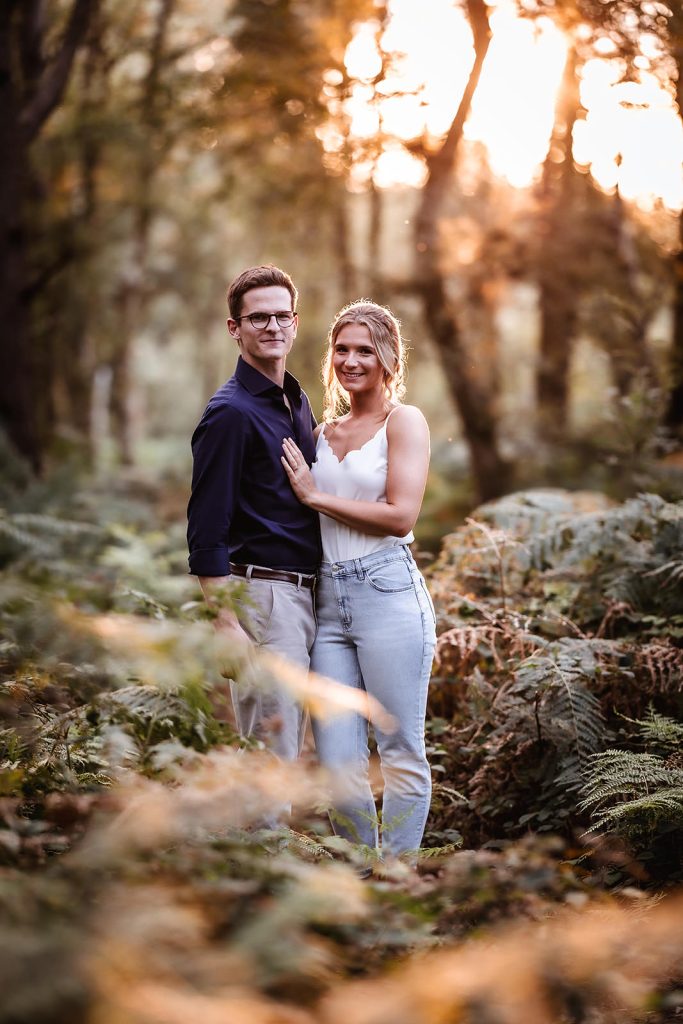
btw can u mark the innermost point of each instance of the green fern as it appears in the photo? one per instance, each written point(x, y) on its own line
point(40, 533)
point(156, 715)
point(597, 534)
point(643, 813)
point(628, 556)
point(568, 714)
point(633, 794)
point(661, 732)
point(41, 524)
point(615, 773)
point(22, 538)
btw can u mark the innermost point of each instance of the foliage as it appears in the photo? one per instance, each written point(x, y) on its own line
point(611, 570)
point(557, 633)
point(121, 207)
point(155, 892)
point(75, 712)
point(639, 794)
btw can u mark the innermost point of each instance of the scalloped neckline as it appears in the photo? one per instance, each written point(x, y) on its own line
point(353, 451)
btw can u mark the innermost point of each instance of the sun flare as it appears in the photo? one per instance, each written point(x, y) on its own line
point(631, 135)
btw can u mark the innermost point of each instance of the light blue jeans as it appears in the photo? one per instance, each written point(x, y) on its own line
point(376, 632)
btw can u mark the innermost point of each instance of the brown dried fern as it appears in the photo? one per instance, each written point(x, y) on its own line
point(659, 665)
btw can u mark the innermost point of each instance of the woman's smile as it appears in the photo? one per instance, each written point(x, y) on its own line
point(355, 360)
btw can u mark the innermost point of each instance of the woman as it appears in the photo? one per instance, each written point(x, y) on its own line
point(376, 626)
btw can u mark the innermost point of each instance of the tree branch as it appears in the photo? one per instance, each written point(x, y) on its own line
point(53, 80)
point(440, 163)
point(444, 157)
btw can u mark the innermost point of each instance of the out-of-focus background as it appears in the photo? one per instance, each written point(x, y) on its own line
point(507, 177)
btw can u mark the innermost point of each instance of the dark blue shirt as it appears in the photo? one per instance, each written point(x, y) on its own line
point(242, 507)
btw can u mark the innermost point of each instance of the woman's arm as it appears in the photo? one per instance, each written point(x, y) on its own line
point(408, 440)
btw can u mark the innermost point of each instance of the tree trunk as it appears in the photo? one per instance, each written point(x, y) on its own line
point(489, 469)
point(19, 397)
point(133, 294)
point(79, 372)
point(480, 322)
point(27, 98)
point(375, 275)
point(629, 354)
point(122, 419)
point(345, 267)
point(674, 412)
point(558, 293)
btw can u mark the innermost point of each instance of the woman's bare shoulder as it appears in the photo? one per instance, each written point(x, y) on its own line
point(406, 417)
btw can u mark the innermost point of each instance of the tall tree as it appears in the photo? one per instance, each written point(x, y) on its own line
point(33, 79)
point(187, 125)
point(474, 403)
point(133, 287)
point(624, 22)
point(558, 266)
point(673, 29)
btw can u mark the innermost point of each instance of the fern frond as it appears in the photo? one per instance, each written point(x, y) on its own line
point(660, 665)
point(625, 549)
point(41, 523)
point(41, 534)
point(661, 731)
point(148, 702)
point(615, 773)
point(307, 845)
point(21, 537)
point(462, 646)
point(671, 572)
point(588, 536)
point(560, 676)
point(663, 806)
point(634, 794)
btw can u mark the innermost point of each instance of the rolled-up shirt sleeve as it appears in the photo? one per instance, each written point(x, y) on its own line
point(219, 446)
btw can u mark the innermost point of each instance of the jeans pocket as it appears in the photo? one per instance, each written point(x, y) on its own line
point(390, 577)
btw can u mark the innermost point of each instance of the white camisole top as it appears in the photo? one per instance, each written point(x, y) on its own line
point(362, 476)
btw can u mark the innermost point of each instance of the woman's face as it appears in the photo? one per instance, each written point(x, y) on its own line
point(355, 362)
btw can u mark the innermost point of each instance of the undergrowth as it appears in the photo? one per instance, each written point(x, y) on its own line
point(138, 882)
point(560, 634)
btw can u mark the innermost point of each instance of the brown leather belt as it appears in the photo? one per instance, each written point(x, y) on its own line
point(259, 572)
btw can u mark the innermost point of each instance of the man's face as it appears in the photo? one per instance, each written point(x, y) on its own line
point(262, 346)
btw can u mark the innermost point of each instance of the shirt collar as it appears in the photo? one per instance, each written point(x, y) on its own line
point(257, 383)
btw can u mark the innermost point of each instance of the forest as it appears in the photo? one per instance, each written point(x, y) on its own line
point(507, 176)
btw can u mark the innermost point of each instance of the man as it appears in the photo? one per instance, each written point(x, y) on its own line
point(243, 518)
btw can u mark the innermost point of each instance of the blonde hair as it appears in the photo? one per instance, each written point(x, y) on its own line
point(385, 337)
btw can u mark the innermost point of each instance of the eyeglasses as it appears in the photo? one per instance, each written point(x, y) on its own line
point(261, 320)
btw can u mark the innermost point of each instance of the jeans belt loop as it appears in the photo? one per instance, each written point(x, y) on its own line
point(299, 581)
point(250, 569)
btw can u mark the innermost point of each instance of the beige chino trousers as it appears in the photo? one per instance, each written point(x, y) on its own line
point(278, 617)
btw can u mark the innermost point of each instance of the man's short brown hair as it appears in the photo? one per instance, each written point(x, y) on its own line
point(264, 276)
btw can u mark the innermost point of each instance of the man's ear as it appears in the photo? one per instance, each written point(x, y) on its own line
point(233, 328)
